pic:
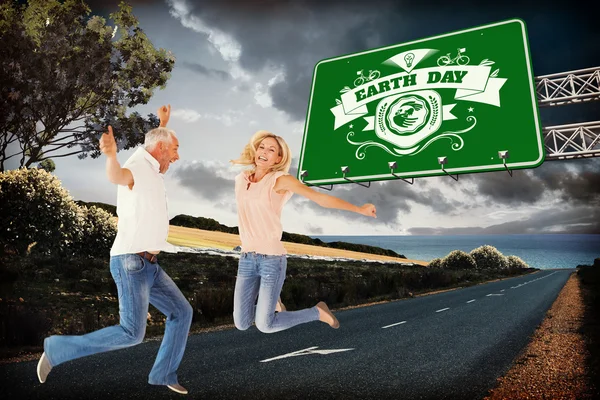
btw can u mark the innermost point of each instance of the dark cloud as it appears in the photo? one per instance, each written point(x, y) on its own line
point(210, 72)
point(114, 4)
point(522, 188)
point(560, 220)
point(313, 229)
point(570, 113)
point(576, 182)
point(295, 35)
point(204, 181)
point(392, 199)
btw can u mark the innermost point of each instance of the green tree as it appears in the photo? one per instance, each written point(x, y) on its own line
point(47, 165)
point(436, 263)
point(458, 259)
point(488, 257)
point(37, 214)
point(66, 75)
point(515, 262)
point(36, 211)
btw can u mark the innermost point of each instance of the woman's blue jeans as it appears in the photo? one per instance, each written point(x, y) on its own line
point(258, 285)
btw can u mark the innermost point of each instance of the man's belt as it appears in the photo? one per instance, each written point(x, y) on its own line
point(148, 256)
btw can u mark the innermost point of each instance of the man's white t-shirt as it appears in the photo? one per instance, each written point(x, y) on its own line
point(143, 217)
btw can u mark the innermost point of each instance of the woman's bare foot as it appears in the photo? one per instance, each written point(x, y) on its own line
point(279, 307)
point(325, 315)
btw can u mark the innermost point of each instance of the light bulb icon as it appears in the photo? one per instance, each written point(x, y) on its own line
point(409, 59)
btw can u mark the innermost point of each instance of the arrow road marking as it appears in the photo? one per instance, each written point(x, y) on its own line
point(304, 352)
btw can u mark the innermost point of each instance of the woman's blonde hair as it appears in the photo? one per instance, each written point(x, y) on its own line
point(249, 152)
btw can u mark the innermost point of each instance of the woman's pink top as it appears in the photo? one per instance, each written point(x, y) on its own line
point(259, 213)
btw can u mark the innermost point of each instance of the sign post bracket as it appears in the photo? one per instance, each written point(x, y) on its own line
point(304, 174)
point(504, 155)
point(345, 170)
point(442, 161)
point(393, 165)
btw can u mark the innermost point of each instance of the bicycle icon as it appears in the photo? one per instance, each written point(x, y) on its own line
point(460, 59)
point(373, 74)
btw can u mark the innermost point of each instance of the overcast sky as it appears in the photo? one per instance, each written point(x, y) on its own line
point(245, 65)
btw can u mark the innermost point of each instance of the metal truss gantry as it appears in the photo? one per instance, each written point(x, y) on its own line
point(565, 142)
point(568, 87)
point(581, 140)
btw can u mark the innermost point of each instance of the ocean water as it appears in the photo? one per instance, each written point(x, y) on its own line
point(544, 251)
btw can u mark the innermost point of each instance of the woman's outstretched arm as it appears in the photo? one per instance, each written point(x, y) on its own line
point(288, 182)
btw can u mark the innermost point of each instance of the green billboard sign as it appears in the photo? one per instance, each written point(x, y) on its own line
point(462, 102)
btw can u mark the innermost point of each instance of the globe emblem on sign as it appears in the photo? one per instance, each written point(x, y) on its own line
point(407, 119)
point(408, 114)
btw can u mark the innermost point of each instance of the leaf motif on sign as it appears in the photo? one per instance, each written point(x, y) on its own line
point(345, 89)
point(495, 73)
point(486, 62)
point(338, 101)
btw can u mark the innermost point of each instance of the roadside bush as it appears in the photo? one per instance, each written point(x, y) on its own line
point(458, 259)
point(98, 231)
point(590, 275)
point(210, 304)
point(109, 208)
point(488, 257)
point(35, 209)
point(21, 326)
point(516, 262)
point(436, 278)
point(39, 216)
point(435, 263)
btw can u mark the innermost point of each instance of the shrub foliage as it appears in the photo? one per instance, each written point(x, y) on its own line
point(38, 215)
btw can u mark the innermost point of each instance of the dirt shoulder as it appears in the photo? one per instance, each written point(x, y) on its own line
point(555, 364)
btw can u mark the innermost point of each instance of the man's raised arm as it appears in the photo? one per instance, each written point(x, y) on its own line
point(116, 174)
point(164, 113)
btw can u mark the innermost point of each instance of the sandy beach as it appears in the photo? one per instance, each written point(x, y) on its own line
point(191, 237)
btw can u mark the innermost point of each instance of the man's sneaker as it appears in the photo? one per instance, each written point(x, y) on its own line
point(43, 368)
point(176, 387)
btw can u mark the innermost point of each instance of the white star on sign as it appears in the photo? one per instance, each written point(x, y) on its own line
point(351, 126)
point(470, 109)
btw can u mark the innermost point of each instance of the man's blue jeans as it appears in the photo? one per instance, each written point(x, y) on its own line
point(261, 276)
point(139, 282)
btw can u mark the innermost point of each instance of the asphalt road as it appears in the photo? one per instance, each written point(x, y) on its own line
point(444, 346)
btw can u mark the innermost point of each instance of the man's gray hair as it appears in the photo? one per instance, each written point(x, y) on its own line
point(157, 135)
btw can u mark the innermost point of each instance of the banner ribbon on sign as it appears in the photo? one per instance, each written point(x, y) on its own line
point(472, 83)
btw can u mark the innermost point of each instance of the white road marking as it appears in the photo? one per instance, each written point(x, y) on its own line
point(304, 352)
point(397, 323)
point(494, 294)
point(443, 309)
point(533, 280)
point(470, 301)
